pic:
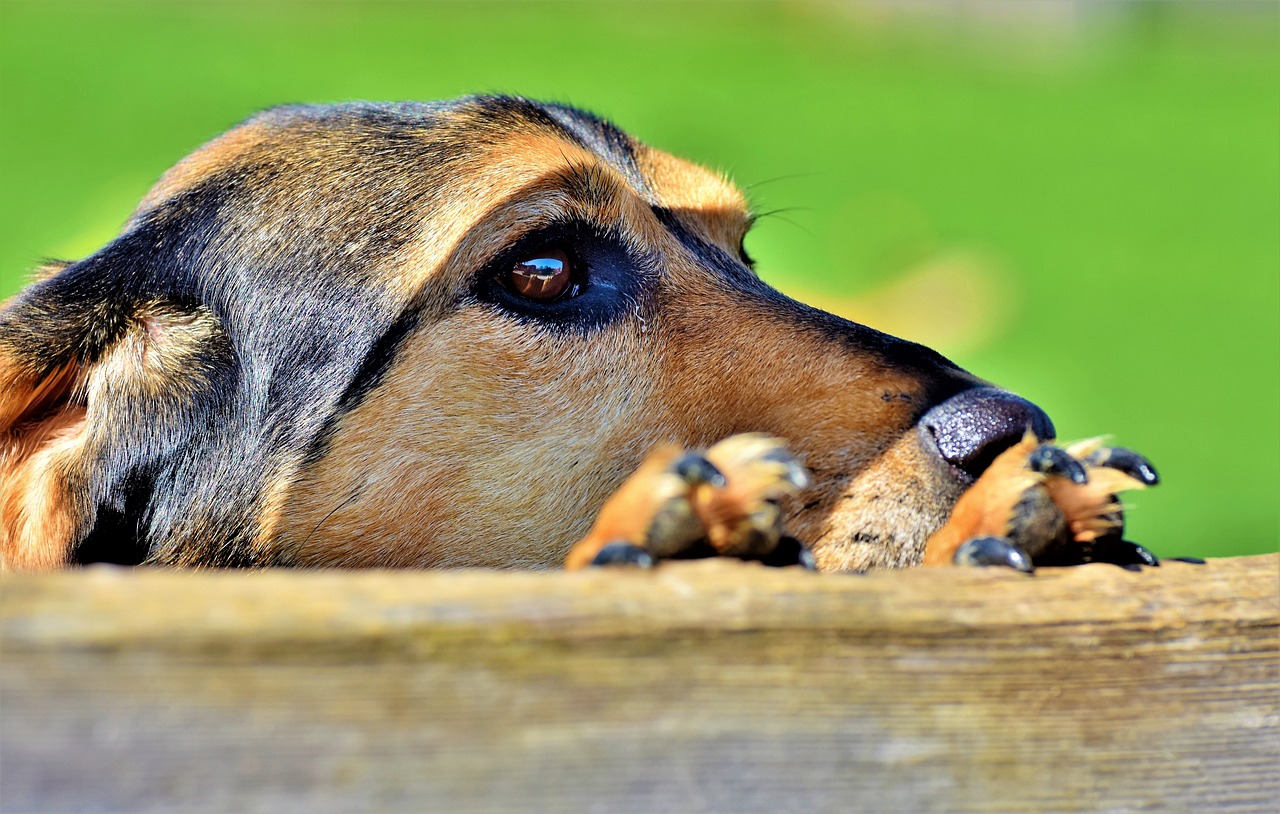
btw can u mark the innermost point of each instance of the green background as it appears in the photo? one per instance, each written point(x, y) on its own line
point(1095, 188)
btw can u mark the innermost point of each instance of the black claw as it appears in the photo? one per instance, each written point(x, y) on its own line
point(623, 554)
point(1188, 560)
point(790, 551)
point(1127, 461)
point(806, 560)
point(1053, 460)
point(984, 551)
point(1146, 554)
point(796, 474)
point(1123, 553)
point(695, 469)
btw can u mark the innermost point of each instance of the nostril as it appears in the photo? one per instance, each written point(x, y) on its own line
point(972, 428)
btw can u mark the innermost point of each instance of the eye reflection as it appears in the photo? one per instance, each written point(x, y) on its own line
point(543, 277)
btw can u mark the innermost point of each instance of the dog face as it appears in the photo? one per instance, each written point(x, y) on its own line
point(441, 335)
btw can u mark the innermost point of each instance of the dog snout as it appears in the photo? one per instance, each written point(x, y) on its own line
point(973, 427)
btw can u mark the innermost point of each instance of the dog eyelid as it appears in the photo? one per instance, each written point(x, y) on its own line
point(544, 276)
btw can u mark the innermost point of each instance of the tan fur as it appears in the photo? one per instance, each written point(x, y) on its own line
point(38, 517)
point(731, 514)
point(24, 394)
point(507, 192)
point(722, 214)
point(1091, 508)
point(39, 441)
point(433, 445)
point(854, 439)
point(151, 359)
point(489, 442)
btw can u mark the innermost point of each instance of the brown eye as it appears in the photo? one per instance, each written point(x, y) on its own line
point(544, 276)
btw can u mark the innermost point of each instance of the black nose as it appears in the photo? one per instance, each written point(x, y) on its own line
point(972, 428)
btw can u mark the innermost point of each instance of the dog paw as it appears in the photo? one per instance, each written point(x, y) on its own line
point(1048, 505)
point(724, 501)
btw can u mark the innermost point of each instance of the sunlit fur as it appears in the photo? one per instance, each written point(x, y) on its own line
point(488, 440)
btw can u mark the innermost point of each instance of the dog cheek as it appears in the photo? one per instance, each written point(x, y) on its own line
point(489, 442)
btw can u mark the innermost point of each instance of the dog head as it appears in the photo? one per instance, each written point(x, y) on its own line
point(441, 334)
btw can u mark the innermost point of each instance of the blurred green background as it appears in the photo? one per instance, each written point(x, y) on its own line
point(1078, 200)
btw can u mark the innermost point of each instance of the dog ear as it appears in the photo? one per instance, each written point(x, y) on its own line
point(99, 389)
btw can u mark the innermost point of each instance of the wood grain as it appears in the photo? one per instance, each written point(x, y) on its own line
point(706, 686)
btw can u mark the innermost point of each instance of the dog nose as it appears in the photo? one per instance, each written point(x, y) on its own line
point(975, 426)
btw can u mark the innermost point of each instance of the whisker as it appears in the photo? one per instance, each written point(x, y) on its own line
point(781, 210)
point(776, 214)
point(355, 494)
point(778, 178)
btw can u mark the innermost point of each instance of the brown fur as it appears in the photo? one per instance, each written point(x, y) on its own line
point(489, 440)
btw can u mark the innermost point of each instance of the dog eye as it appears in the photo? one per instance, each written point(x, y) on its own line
point(545, 276)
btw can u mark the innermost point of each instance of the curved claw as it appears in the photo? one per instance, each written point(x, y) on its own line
point(1053, 460)
point(623, 554)
point(790, 551)
point(1127, 461)
point(983, 551)
point(793, 471)
point(1123, 553)
point(693, 468)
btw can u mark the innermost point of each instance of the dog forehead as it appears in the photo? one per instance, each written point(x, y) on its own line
point(299, 143)
point(397, 195)
point(457, 138)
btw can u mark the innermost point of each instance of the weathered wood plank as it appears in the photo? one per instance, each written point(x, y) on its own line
point(709, 686)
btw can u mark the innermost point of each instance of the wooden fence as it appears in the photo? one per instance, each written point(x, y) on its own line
point(703, 686)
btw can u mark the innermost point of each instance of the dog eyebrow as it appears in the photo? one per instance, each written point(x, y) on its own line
point(577, 191)
point(604, 139)
point(591, 183)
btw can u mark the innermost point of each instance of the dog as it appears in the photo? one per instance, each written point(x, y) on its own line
point(444, 334)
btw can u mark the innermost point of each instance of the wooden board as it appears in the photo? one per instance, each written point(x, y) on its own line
point(706, 686)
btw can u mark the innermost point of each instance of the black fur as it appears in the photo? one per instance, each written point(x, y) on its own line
point(286, 250)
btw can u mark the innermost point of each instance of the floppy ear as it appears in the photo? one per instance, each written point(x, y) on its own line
point(42, 434)
point(98, 390)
